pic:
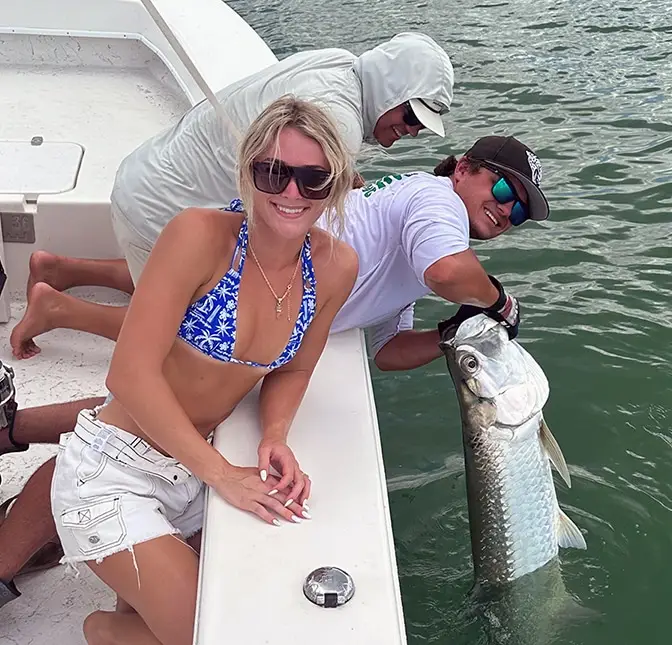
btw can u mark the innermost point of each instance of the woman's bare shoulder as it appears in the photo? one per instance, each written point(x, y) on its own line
point(209, 217)
point(335, 261)
point(214, 228)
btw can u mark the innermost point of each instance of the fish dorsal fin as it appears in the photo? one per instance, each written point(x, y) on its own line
point(569, 535)
point(554, 453)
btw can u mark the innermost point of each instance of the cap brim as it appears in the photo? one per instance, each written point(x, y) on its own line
point(537, 204)
point(431, 120)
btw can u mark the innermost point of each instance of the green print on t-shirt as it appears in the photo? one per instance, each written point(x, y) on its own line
point(381, 183)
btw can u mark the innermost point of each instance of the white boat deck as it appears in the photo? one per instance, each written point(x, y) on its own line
point(107, 96)
point(74, 89)
point(104, 77)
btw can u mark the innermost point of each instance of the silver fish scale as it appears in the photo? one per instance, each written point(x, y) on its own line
point(516, 504)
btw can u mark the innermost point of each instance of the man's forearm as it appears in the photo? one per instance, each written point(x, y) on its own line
point(408, 350)
point(461, 279)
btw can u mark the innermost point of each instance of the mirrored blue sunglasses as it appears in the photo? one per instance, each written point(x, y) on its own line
point(504, 192)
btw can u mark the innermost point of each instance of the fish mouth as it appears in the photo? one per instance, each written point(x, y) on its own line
point(447, 337)
point(447, 347)
point(455, 335)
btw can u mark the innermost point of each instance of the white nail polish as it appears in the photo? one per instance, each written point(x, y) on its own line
point(296, 519)
point(306, 515)
point(276, 522)
point(263, 475)
point(288, 502)
point(305, 505)
point(273, 492)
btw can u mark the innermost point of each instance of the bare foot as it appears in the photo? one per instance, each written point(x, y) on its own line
point(43, 268)
point(37, 320)
point(62, 273)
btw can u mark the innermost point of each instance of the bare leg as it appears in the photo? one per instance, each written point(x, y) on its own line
point(46, 423)
point(49, 309)
point(30, 524)
point(117, 628)
point(194, 542)
point(123, 607)
point(63, 273)
point(165, 599)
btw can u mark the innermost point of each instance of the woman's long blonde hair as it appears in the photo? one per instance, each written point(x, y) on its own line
point(309, 119)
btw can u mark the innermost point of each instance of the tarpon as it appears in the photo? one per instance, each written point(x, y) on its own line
point(516, 523)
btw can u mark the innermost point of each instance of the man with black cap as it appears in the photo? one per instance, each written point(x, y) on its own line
point(411, 233)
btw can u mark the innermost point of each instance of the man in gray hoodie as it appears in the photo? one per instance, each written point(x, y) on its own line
point(392, 90)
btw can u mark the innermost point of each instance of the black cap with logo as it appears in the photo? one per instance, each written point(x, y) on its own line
point(511, 156)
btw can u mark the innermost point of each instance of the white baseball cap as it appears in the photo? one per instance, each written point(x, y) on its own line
point(429, 114)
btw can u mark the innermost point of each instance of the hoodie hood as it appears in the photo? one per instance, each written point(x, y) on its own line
point(410, 65)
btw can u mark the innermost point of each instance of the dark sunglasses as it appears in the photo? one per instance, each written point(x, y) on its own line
point(504, 192)
point(274, 176)
point(410, 119)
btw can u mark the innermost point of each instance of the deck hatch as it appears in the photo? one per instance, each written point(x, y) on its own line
point(38, 167)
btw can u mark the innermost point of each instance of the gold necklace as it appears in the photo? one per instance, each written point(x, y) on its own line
point(278, 299)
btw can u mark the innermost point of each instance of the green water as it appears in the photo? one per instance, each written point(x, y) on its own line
point(587, 84)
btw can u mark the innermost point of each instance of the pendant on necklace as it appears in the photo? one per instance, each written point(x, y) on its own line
point(278, 308)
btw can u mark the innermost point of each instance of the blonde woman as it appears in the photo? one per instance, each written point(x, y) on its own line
point(225, 300)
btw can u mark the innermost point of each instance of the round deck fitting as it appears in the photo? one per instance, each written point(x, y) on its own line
point(329, 587)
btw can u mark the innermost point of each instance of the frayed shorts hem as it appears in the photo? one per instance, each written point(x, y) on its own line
point(99, 557)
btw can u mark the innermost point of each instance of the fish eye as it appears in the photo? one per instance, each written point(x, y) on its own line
point(469, 364)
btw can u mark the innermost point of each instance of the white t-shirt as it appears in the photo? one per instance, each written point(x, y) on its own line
point(399, 226)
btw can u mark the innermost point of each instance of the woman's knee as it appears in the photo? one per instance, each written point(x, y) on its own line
point(98, 629)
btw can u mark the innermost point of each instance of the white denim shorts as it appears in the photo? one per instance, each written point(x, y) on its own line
point(112, 490)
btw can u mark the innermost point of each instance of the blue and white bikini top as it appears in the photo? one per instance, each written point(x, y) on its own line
point(209, 324)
